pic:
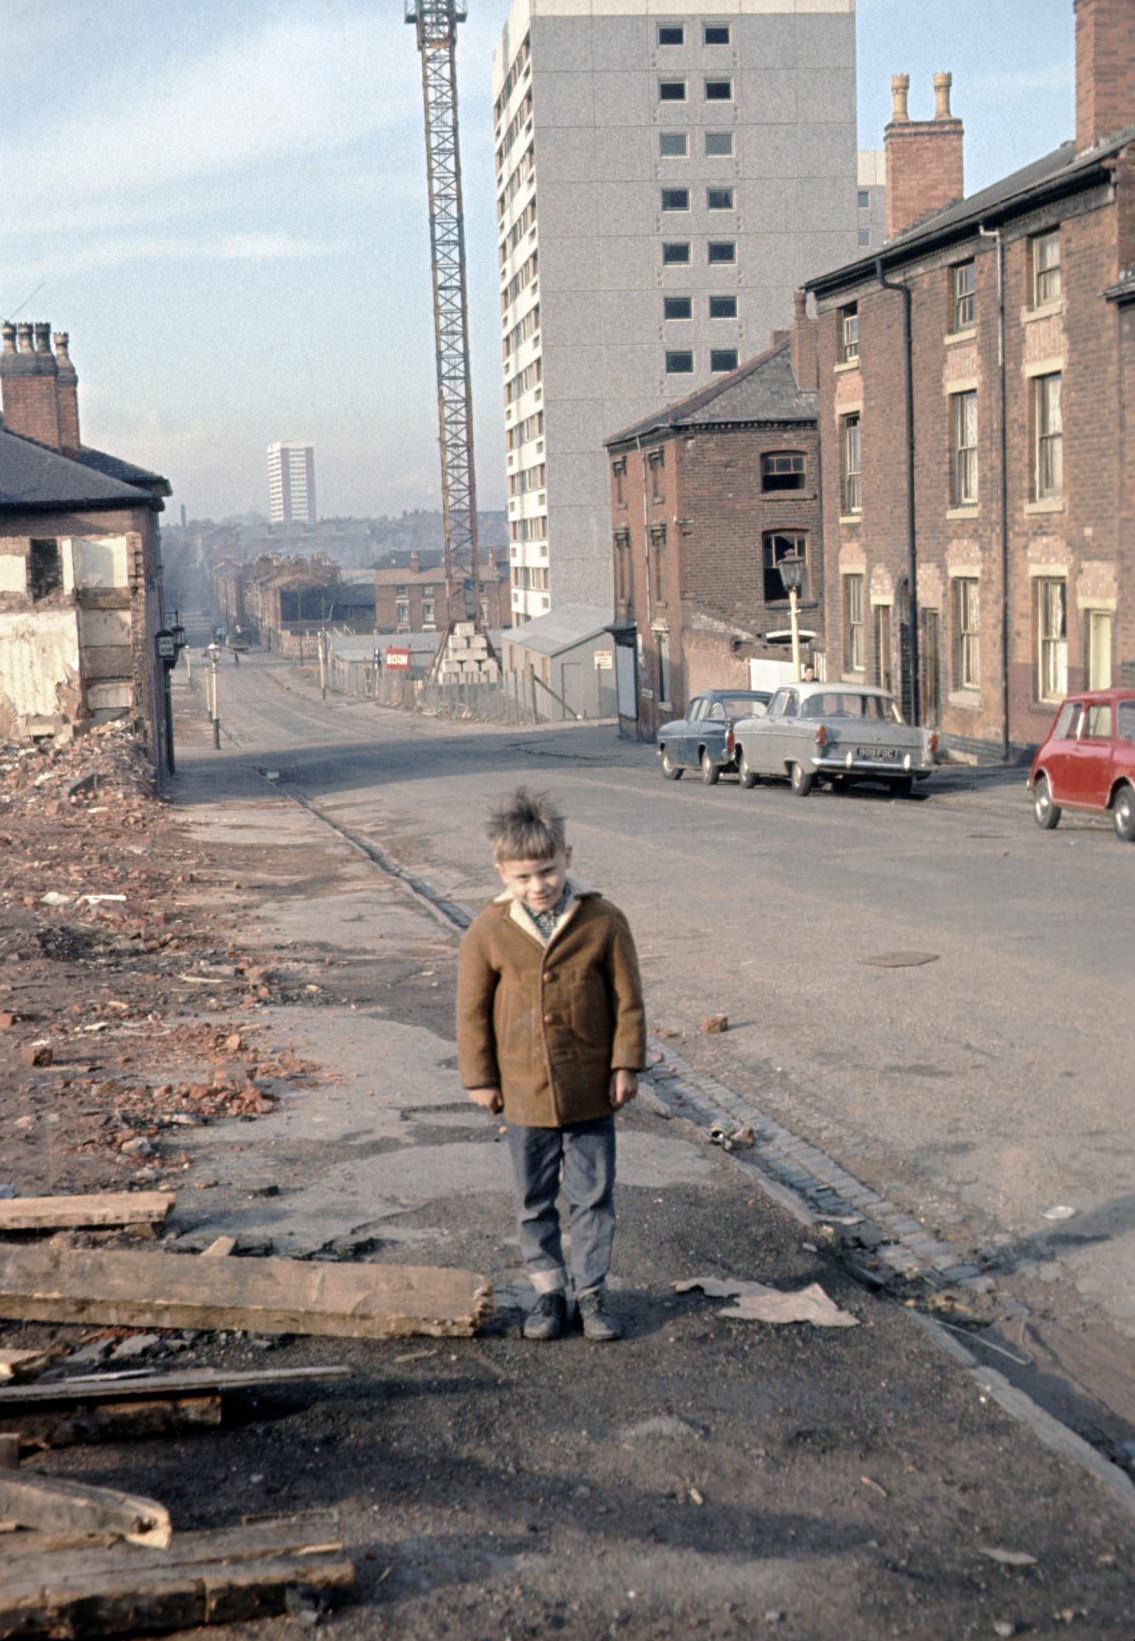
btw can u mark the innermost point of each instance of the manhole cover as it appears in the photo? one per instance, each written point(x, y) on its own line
point(900, 960)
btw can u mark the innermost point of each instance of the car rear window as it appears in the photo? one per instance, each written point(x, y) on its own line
point(744, 706)
point(876, 708)
point(1125, 713)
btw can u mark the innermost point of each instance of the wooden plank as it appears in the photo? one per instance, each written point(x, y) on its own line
point(60, 1504)
point(145, 1600)
point(144, 1382)
point(120, 1421)
point(67, 1212)
point(55, 1284)
point(219, 1248)
point(308, 1533)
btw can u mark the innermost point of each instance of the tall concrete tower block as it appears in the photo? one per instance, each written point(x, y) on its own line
point(664, 181)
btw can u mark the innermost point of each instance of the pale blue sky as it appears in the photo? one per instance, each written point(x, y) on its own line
point(226, 206)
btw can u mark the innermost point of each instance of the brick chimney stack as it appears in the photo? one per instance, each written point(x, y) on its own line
point(415, 563)
point(67, 381)
point(28, 384)
point(805, 365)
point(1105, 69)
point(925, 162)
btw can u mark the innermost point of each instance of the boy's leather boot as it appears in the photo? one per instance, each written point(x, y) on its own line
point(598, 1322)
point(547, 1317)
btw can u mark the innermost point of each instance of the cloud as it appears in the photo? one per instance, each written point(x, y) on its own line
point(294, 88)
point(1020, 82)
point(110, 253)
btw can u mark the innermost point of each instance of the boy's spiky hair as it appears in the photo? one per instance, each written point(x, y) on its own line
point(526, 826)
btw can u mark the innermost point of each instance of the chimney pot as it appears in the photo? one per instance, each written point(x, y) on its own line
point(9, 337)
point(900, 93)
point(68, 398)
point(42, 338)
point(924, 158)
point(24, 332)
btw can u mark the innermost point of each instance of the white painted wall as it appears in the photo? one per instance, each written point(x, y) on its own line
point(38, 652)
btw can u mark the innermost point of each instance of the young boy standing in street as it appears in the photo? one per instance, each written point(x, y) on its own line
point(551, 1030)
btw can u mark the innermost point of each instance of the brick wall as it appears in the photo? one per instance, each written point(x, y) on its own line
point(1077, 538)
point(924, 170)
point(1105, 69)
point(706, 588)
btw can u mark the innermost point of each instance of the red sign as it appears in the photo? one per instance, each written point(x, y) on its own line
point(398, 658)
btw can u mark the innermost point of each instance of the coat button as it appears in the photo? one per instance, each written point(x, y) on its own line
point(548, 1018)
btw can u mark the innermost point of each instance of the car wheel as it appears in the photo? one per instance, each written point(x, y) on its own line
point(1046, 813)
point(802, 780)
point(670, 770)
point(747, 776)
point(1123, 814)
point(903, 788)
point(710, 772)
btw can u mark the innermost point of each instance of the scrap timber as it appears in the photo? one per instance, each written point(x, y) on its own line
point(59, 1504)
point(82, 1212)
point(201, 1578)
point(159, 1290)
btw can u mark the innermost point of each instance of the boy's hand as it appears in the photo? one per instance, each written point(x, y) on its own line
point(624, 1087)
point(489, 1099)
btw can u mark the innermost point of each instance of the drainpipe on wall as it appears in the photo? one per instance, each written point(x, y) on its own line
point(646, 563)
point(1002, 453)
point(911, 526)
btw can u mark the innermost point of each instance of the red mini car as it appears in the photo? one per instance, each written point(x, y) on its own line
point(1087, 761)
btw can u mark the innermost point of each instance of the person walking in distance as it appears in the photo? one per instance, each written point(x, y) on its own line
point(551, 1030)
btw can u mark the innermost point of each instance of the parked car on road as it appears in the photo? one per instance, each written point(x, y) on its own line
point(700, 740)
point(1087, 761)
point(841, 733)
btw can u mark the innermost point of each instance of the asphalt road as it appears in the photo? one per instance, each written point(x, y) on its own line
point(978, 1090)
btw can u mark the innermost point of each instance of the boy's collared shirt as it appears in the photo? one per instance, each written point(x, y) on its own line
point(543, 926)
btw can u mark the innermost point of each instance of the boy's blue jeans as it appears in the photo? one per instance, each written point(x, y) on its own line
point(583, 1155)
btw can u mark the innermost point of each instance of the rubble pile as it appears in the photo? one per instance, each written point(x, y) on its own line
point(69, 770)
point(111, 950)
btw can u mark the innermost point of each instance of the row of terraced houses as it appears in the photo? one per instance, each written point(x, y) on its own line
point(944, 436)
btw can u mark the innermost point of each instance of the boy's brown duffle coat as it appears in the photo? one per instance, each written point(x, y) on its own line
point(548, 1024)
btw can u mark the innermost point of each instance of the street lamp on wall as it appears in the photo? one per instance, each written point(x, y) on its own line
point(791, 570)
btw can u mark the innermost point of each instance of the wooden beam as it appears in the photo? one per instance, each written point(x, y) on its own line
point(69, 1212)
point(54, 1284)
point(200, 1578)
point(120, 1387)
point(58, 1504)
point(119, 1421)
point(219, 1248)
point(142, 1599)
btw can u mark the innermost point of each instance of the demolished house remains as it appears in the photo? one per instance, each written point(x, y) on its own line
point(80, 559)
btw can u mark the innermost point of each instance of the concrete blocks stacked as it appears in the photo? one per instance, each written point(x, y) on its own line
point(467, 658)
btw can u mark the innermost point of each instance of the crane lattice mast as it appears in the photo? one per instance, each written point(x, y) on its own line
point(436, 23)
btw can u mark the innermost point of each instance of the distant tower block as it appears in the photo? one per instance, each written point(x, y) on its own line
point(291, 483)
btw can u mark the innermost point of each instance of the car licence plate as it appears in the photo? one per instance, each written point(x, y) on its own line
point(879, 754)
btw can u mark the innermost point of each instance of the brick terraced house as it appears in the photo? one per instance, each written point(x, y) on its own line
point(707, 496)
point(984, 546)
point(411, 598)
point(80, 559)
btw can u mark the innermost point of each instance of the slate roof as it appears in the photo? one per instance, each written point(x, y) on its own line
point(33, 478)
point(115, 468)
point(762, 390)
point(561, 629)
point(1062, 171)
